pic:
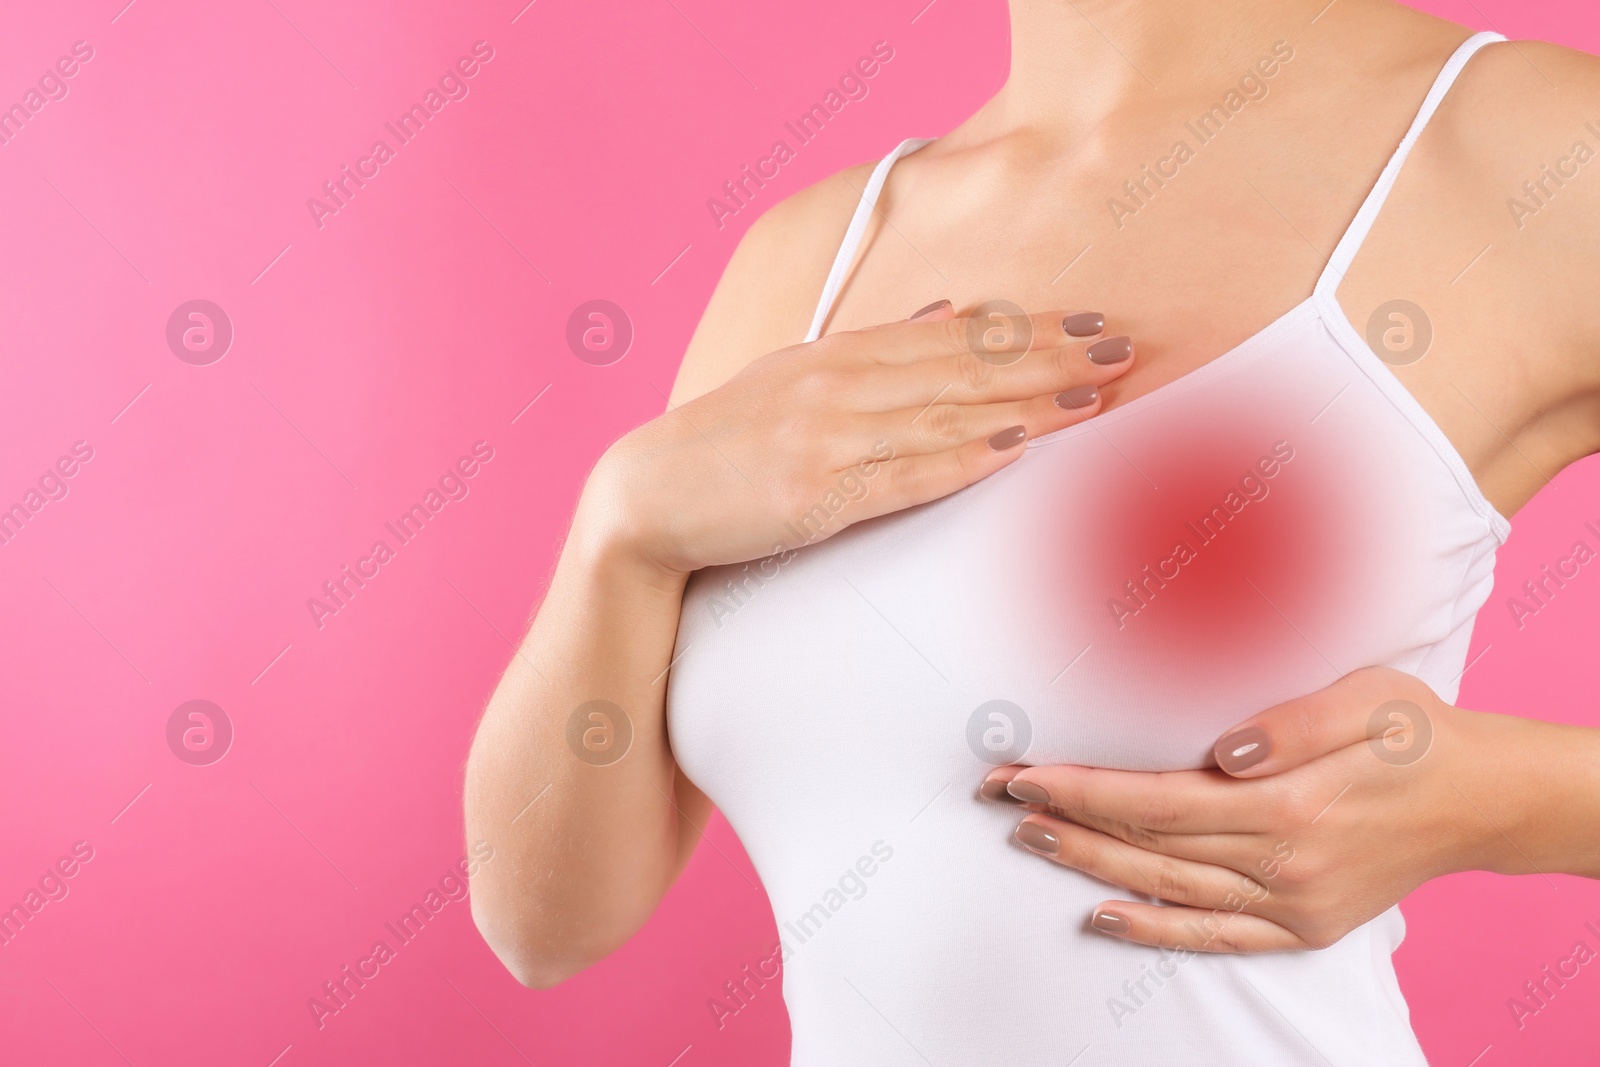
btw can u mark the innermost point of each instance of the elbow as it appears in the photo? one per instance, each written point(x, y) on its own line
point(530, 957)
point(536, 972)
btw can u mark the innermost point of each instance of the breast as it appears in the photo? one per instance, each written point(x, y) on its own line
point(1131, 586)
point(1117, 597)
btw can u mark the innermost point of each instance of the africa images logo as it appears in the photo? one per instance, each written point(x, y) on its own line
point(452, 85)
point(851, 86)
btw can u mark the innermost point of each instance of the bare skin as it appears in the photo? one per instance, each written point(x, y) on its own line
point(1333, 827)
point(1013, 203)
point(718, 480)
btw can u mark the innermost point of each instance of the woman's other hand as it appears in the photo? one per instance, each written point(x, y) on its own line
point(1324, 812)
point(811, 438)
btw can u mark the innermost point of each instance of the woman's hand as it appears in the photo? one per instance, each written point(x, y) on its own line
point(809, 439)
point(1326, 811)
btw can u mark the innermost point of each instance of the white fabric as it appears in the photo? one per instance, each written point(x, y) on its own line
point(857, 228)
point(826, 701)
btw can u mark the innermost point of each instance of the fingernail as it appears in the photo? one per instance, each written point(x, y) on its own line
point(1111, 350)
point(1079, 397)
point(1110, 922)
point(995, 789)
point(1008, 438)
point(1084, 324)
point(1027, 792)
point(1243, 748)
point(930, 309)
point(1036, 837)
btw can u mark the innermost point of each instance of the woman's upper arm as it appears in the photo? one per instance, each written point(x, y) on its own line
point(763, 302)
point(770, 287)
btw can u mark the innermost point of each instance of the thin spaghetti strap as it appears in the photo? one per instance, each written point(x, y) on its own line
point(858, 227)
point(1345, 252)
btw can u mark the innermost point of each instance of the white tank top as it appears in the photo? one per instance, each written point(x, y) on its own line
point(1117, 597)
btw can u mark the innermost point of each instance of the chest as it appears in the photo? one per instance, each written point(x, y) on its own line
point(1200, 262)
point(1118, 597)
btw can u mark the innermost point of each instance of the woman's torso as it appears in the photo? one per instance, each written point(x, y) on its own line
point(841, 705)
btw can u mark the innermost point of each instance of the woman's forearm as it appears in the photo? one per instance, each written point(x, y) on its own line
point(1537, 796)
point(593, 842)
point(586, 842)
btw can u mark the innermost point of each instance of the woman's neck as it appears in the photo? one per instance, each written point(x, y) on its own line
point(1076, 63)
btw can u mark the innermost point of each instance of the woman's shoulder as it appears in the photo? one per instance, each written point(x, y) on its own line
point(1513, 159)
point(770, 287)
point(1521, 130)
point(1524, 91)
point(1512, 163)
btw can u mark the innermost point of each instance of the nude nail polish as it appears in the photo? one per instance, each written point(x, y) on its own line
point(1083, 324)
point(1111, 350)
point(1079, 397)
point(1036, 837)
point(1110, 922)
point(1028, 793)
point(1243, 748)
point(930, 309)
point(994, 789)
point(1008, 438)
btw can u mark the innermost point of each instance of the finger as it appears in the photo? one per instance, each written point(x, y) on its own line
point(934, 312)
point(1194, 929)
point(906, 481)
point(1181, 802)
point(971, 379)
point(1383, 706)
point(1242, 852)
point(994, 785)
point(997, 339)
point(1236, 852)
point(1181, 881)
point(941, 426)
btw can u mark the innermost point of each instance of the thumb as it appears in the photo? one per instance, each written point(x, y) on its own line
point(934, 312)
point(1385, 706)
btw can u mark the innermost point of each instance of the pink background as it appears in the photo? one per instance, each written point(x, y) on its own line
point(368, 355)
